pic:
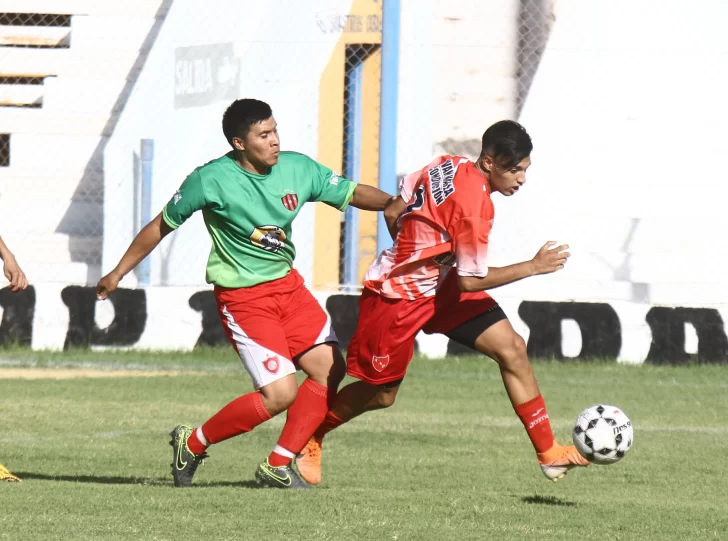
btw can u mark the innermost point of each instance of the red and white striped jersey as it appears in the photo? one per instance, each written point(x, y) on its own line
point(447, 221)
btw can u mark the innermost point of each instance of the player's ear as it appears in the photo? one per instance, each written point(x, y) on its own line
point(239, 144)
point(487, 163)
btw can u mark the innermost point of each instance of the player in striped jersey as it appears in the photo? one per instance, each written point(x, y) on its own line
point(435, 279)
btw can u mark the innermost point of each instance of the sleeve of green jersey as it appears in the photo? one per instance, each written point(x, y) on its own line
point(330, 188)
point(189, 198)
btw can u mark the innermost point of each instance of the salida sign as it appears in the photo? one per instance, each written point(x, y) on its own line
point(204, 74)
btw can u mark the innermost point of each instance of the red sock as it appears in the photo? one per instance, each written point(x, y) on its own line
point(331, 421)
point(241, 415)
point(304, 416)
point(535, 418)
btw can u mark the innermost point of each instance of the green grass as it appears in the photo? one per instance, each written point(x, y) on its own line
point(449, 461)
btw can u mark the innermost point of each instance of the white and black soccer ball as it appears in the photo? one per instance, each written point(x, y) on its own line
point(603, 434)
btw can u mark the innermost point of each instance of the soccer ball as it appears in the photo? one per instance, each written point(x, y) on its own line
point(603, 434)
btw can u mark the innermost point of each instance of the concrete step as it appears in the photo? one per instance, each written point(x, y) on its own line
point(53, 248)
point(60, 153)
point(99, 95)
point(112, 31)
point(18, 96)
point(75, 217)
point(34, 36)
point(89, 62)
point(42, 121)
point(44, 186)
point(59, 273)
point(87, 7)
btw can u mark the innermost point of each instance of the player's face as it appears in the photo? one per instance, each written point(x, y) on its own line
point(506, 181)
point(261, 147)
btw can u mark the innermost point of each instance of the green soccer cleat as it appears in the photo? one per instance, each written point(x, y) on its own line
point(184, 462)
point(278, 477)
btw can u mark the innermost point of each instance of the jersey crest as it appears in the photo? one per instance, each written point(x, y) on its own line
point(290, 201)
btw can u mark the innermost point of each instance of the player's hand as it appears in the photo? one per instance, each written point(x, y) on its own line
point(550, 259)
point(106, 285)
point(14, 274)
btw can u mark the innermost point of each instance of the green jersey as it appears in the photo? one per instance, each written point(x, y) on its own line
point(249, 216)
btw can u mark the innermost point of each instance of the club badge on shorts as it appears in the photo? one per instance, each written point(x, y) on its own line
point(380, 363)
point(271, 364)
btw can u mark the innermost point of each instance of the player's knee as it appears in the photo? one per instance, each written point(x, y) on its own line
point(279, 402)
point(514, 353)
point(386, 397)
point(279, 396)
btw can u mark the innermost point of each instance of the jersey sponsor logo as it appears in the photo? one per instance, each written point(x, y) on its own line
point(271, 364)
point(441, 181)
point(269, 237)
point(334, 179)
point(290, 201)
point(177, 197)
point(380, 363)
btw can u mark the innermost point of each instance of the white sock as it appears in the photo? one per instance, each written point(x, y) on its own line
point(201, 437)
point(284, 452)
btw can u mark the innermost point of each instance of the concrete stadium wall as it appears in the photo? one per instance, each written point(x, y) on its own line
point(56, 317)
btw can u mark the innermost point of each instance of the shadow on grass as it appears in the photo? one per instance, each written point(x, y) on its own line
point(548, 500)
point(148, 481)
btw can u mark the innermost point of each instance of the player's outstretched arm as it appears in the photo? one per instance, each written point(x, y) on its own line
point(369, 198)
point(546, 261)
point(142, 245)
point(11, 269)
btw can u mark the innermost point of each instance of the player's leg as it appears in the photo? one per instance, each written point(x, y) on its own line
point(254, 331)
point(315, 350)
point(491, 333)
point(378, 355)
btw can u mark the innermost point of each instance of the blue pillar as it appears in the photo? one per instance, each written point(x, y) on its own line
point(147, 159)
point(353, 127)
point(388, 111)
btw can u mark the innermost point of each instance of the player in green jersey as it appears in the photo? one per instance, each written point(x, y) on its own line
point(249, 198)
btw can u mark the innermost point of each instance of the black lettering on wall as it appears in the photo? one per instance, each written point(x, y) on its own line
point(16, 326)
point(213, 333)
point(668, 335)
point(130, 317)
point(601, 332)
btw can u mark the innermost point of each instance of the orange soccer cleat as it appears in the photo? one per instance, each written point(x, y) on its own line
point(308, 461)
point(557, 461)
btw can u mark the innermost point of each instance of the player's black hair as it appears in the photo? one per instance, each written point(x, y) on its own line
point(507, 143)
point(241, 115)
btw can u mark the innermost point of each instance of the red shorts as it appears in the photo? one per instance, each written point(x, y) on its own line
point(384, 341)
point(272, 323)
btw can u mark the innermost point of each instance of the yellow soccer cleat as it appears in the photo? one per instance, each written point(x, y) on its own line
point(5, 475)
point(557, 461)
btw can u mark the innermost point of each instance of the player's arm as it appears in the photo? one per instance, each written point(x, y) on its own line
point(11, 269)
point(369, 198)
point(189, 198)
point(546, 261)
point(142, 245)
point(392, 211)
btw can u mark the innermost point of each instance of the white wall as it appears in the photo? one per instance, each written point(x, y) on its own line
point(627, 113)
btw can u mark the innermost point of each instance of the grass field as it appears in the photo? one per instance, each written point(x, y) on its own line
point(449, 461)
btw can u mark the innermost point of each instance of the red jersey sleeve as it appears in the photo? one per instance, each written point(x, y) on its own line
point(470, 244)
